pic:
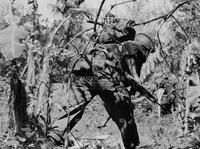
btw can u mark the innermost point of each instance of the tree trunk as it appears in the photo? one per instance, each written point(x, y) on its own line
point(19, 104)
point(43, 86)
point(30, 82)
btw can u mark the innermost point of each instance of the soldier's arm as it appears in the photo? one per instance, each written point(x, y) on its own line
point(132, 68)
point(140, 88)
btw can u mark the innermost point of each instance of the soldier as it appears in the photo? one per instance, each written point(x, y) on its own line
point(105, 78)
point(103, 72)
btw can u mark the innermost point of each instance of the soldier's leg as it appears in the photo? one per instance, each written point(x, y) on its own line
point(82, 89)
point(79, 95)
point(122, 114)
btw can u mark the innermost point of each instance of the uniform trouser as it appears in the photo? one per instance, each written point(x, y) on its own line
point(117, 107)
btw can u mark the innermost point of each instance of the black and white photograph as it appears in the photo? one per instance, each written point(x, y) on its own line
point(99, 74)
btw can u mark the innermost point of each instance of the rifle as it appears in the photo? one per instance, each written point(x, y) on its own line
point(141, 90)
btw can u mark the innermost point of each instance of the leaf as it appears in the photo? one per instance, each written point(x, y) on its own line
point(21, 139)
point(42, 118)
point(160, 93)
point(56, 136)
point(11, 39)
point(12, 142)
point(29, 134)
point(76, 110)
point(73, 122)
point(27, 129)
point(31, 145)
point(194, 91)
point(10, 42)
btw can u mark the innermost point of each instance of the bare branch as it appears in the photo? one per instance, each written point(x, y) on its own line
point(178, 6)
point(98, 23)
point(152, 20)
point(164, 55)
point(84, 49)
point(118, 5)
point(181, 26)
point(59, 26)
point(165, 17)
point(80, 33)
point(101, 24)
point(95, 23)
point(75, 48)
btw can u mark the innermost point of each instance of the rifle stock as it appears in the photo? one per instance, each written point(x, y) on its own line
point(142, 90)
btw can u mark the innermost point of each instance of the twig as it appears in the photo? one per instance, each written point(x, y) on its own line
point(165, 17)
point(181, 26)
point(59, 26)
point(75, 139)
point(95, 23)
point(172, 12)
point(164, 55)
point(197, 8)
point(102, 24)
point(78, 35)
point(24, 70)
point(161, 48)
point(112, 6)
point(84, 49)
point(73, 39)
point(75, 48)
point(105, 123)
point(122, 3)
point(98, 23)
point(68, 88)
point(152, 20)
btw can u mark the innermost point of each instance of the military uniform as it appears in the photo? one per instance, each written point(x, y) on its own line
point(103, 72)
point(105, 78)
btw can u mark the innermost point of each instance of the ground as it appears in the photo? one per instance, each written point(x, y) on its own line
point(154, 132)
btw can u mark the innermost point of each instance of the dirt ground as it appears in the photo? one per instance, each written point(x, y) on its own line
point(154, 132)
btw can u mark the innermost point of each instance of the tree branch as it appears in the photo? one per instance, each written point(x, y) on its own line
point(112, 6)
point(178, 6)
point(152, 20)
point(181, 26)
point(101, 24)
point(165, 17)
point(95, 23)
point(59, 26)
point(80, 33)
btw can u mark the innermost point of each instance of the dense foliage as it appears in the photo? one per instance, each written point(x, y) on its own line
point(37, 54)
